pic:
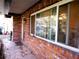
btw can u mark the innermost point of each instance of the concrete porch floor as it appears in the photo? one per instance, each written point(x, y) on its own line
point(12, 51)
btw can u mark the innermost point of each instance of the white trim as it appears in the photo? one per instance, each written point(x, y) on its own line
point(56, 37)
point(49, 7)
point(22, 30)
point(35, 25)
point(67, 30)
point(30, 27)
point(60, 44)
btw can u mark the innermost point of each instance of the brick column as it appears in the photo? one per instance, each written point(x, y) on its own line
point(16, 28)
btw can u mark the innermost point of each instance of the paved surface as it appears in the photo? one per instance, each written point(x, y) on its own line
point(12, 51)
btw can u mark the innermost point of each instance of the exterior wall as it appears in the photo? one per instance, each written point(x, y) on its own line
point(45, 50)
point(16, 29)
point(40, 48)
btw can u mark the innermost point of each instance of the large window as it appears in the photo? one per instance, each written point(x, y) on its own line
point(59, 24)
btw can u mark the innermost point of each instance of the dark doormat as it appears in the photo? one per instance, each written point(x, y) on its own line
point(2, 56)
point(18, 43)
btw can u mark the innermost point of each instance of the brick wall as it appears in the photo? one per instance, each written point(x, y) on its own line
point(16, 28)
point(45, 50)
point(40, 48)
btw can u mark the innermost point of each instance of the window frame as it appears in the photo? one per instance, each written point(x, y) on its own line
point(30, 26)
point(56, 37)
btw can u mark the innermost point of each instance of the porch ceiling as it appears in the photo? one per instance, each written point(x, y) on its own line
point(19, 6)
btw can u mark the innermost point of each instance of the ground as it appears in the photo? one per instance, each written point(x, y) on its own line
point(13, 51)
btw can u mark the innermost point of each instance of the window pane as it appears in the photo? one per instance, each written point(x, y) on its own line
point(33, 24)
point(43, 24)
point(38, 25)
point(62, 25)
point(53, 23)
point(74, 25)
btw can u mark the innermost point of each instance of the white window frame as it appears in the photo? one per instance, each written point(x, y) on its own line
point(56, 37)
point(22, 28)
point(30, 26)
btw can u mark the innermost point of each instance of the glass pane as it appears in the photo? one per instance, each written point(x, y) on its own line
point(62, 25)
point(38, 25)
point(43, 24)
point(33, 24)
point(74, 25)
point(53, 23)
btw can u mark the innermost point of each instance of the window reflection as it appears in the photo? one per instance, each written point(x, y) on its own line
point(63, 11)
point(43, 24)
point(53, 23)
